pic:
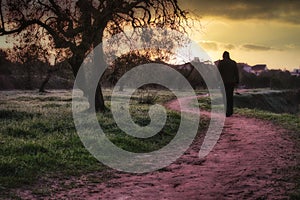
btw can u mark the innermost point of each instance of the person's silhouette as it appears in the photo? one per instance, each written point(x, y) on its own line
point(230, 75)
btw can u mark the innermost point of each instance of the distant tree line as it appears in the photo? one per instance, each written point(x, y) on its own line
point(127, 62)
point(274, 79)
point(33, 74)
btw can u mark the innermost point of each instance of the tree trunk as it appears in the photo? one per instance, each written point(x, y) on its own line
point(28, 84)
point(46, 80)
point(92, 38)
point(98, 102)
point(121, 88)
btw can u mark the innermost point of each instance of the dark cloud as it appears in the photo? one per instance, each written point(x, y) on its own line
point(209, 45)
point(282, 10)
point(229, 46)
point(256, 47)
point(215, 46)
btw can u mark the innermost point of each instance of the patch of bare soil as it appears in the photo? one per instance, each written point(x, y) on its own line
point(250, 161)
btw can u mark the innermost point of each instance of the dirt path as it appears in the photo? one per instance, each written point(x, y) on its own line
point(250, 161)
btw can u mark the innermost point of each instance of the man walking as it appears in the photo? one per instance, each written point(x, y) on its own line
point(230, 75)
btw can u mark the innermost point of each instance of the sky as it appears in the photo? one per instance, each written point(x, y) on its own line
point(253, 31)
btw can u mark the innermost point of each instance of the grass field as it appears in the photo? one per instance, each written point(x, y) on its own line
point(38, 137)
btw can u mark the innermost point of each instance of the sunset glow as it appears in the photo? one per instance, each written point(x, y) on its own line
point(255, 32)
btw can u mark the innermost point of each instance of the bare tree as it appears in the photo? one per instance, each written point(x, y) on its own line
point(28, 52)
point(79, 25)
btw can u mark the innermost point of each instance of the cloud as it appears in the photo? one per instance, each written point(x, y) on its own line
point(215, 46)
point(207, 45)
point(256, 47)
point(291, 46)
point(229, 46)
point(281, 10)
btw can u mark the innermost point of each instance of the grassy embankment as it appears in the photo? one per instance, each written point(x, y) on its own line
point(263, 104)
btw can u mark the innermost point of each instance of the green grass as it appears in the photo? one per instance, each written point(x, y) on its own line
point(38, 136)
point(288, 121)
point(204, 103)
point(34, 143)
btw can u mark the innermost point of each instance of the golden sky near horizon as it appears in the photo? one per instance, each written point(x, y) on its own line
point(254, 32)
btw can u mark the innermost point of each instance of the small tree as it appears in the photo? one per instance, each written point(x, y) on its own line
point(28, 53)
point(31, 51)
point(125, 63)
point(50, 71)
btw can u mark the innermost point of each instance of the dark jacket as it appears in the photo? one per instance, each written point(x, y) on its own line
point(229, 71)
